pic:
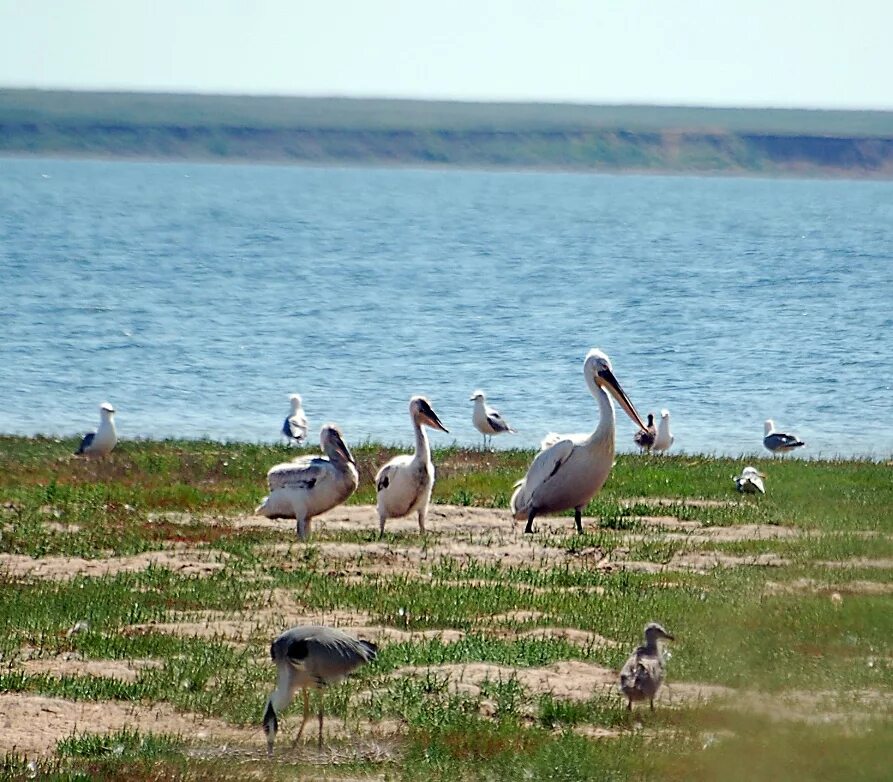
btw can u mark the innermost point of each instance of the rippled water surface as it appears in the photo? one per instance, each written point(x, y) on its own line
point(197, 297)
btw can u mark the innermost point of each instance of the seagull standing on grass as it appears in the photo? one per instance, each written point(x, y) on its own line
point(486, 419)
point(405, 483)
point(779, 442)
point(310, 657)
point(573, 469)
point(643, 673)
point(98, 444)
point(664, 439)
point(310, 485)
point(294, 428)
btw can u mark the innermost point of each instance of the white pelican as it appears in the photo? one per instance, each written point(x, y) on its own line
point(643, 673)
point(486, 419)
point(571, 472)
point(645, 438)
point(750, 481)
point(97, 444)
point(310, 485)
point(664, 439)
point(310, 656)
point(405, 483)
point(779, 442)
point(294, 428)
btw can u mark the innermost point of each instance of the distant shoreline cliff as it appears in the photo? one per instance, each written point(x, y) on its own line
point(394, 132)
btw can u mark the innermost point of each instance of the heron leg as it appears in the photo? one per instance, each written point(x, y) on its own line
point(578, 519)
point(320, 720)
point(651, 702)
point(306, 716)
point(629, 704)
point(530, 516)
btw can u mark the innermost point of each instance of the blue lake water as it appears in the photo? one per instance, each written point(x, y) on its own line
point(196, 297)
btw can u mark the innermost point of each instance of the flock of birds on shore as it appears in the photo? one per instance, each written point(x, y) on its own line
point(567, 473)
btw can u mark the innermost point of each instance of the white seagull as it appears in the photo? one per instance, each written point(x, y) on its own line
point(750, 481)
point(294, 428)
point(779, 442)
point(571, 472)
point(486, 419)
point(310, 485)
point(664, 439)
point(98, 444)
point(643, 673)
point(405, 483)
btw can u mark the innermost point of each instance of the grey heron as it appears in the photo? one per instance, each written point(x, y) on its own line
point(310, 657)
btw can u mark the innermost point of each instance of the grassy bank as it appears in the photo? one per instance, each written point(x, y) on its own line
point(496, 648)
point(444, 133)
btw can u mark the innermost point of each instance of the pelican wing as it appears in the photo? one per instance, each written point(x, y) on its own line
point(302, 473)
point(547, 464)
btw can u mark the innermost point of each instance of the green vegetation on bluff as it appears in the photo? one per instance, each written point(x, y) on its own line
point(492, 642)
point(408, 132)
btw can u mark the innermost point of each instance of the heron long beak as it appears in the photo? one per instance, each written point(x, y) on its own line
point(620, 395)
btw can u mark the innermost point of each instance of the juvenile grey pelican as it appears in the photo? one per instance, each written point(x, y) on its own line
point(405, 483)
point(645, 438)
point(310, 657)
point(571, 472)
point(643, 673)
point(779, 442)
point(310, 485)
point(294, 428)
point(664, 439)
point(486, 419)
point(750, 481)
point(98, 444)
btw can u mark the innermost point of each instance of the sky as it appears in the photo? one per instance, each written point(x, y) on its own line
point(783, 53)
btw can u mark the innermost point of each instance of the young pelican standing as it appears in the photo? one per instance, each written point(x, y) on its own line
point(404, 484)
point(310, 485)
point(571, 472)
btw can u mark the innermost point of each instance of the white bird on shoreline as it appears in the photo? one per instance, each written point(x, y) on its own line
point(486, 419)
point(308, 657)
point(643, 673)
point(310, 485)
point(571, 472)
point(405, 483)
point(779, 442)
point(294, 428)
point(100, 443)
point(750, 481)
point(664, 439)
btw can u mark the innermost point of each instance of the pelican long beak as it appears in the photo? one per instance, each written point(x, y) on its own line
point(620, 395)
point(341, 448)
point(434, 422)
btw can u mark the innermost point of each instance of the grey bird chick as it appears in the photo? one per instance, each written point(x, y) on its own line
point(643, 673)
point(310, 657)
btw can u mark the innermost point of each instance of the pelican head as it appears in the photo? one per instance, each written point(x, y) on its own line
point(295, 400)
point(477, 394)
point(654, 632)
point(332, 443)
point(597, 370)
point(106, 409)
point(420, 410)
